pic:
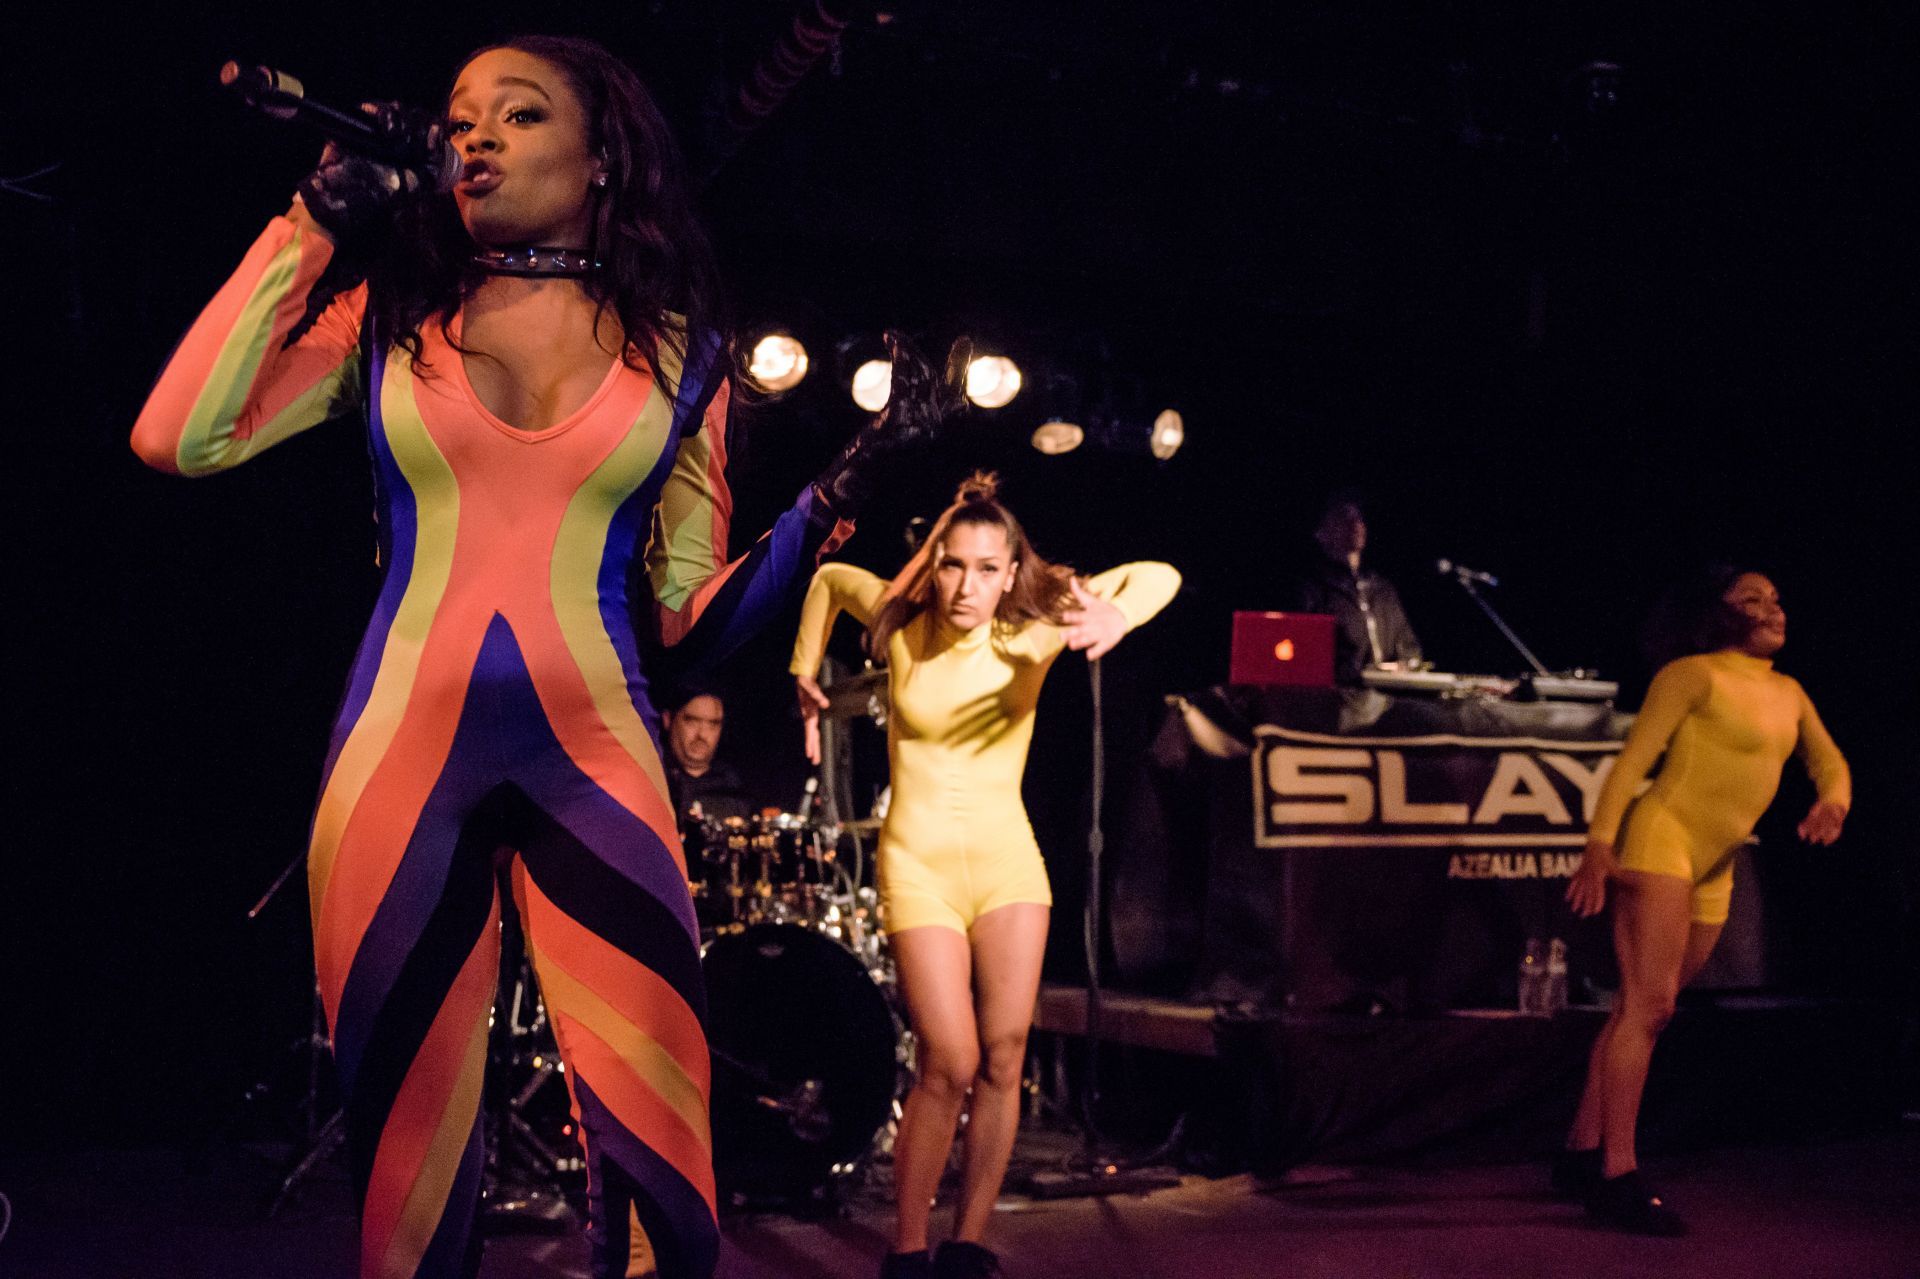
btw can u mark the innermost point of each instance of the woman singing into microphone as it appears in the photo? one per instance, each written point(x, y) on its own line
point(1725, 721)
point(969, 629)
point(546, 396)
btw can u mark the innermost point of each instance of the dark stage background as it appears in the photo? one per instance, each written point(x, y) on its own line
point(1391, 247)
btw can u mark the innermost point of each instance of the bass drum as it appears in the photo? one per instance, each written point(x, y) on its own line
point(805, 1059)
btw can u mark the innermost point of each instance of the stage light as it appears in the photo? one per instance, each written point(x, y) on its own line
point(872, 384)
point(1055, 436)
point(779, 362)
point(1169, 433)
point(992, 381)
point(1161, 437)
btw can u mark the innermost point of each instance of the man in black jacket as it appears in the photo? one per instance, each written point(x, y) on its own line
point(1370, 627)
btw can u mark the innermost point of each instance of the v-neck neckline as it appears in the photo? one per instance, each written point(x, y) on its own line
point(505, 427)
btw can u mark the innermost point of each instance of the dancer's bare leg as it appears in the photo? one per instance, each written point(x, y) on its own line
point(935, 966)
point(1008, 946)
point(1652, 935)
point(1588, 1120)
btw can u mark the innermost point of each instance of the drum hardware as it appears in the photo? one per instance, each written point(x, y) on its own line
point(777, 868)
point(528, 1128)
point(806, 1118)
point(794, 1108)
point(534, 1176)
point(534, 1166)
point(862, 695)
point(320, 1135)
point(328, 1136)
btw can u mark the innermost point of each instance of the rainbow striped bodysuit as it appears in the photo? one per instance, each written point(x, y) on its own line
point(497, 700)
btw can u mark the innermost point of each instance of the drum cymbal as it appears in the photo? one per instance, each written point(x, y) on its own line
point(862, 694)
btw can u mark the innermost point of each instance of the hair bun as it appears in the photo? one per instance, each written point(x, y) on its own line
point(981, 486)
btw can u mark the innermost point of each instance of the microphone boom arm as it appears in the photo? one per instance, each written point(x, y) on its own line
point(1467, 585)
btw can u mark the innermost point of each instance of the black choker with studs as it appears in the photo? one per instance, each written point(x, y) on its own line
point(538, 260)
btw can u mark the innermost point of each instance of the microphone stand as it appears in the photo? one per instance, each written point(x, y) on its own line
point(1094, 1171)
point(1467, 585)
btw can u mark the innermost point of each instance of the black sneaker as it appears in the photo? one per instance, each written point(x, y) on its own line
point(1626, 1203)
point(1575, 1173)
point(907, 1265)
point(957, 1260)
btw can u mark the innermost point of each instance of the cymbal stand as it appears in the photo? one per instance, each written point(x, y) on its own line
point(523, 1181)
point(320, 1136)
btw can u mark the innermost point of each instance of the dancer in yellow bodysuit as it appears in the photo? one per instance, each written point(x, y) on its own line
point(1726, 722)
point(969, 628)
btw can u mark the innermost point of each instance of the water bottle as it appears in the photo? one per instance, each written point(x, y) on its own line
point(1554, 993)
point(1533, 979)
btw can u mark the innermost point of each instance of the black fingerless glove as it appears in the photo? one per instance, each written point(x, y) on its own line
point(919, 407)
point(353, 198)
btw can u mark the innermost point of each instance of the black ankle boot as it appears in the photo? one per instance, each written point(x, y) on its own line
point(907, 1265)
point(1575, 1173)
point(1626, 1203)
point(957, 1260)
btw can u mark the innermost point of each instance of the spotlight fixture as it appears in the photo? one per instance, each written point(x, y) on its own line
point(1162, 437)
point(872, 384)
point(778, 362)
point(992, 381)
point(1057, 435)
point(1169, 433)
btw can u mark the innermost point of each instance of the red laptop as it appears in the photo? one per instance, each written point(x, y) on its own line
point(1283, 648)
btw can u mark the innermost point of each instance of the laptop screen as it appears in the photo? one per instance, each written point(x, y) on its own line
point(1282, 648)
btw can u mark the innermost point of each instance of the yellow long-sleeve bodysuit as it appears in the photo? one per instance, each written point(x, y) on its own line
point(1727, 722)
point(956, 842)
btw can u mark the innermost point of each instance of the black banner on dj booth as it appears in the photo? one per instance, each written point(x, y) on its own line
point(1412, 867)
point(1354, 849)
point(1505, 807)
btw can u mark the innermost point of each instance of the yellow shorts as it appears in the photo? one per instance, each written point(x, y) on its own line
point(954, 887)
point(1655, 842)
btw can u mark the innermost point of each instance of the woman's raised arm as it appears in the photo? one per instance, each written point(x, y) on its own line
point(235, 385)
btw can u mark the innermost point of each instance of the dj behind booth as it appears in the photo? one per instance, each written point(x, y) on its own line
point(1370, 627)
point(1376, 836)
point(1379, 836)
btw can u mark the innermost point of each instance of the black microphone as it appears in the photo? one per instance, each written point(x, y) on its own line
point(404, 139)
point(1464, 573)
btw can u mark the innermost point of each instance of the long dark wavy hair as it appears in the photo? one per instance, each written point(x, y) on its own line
point(659, 279)
point(1692, 616)
point(1040, 590)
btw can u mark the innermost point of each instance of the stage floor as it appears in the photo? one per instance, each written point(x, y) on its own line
point(1845, 1208)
